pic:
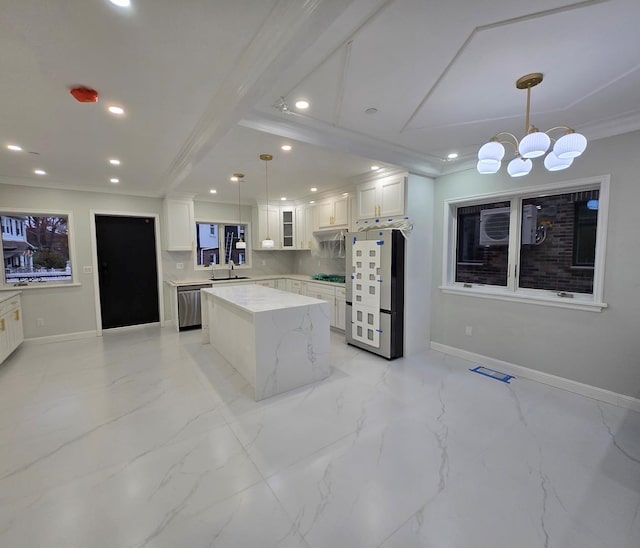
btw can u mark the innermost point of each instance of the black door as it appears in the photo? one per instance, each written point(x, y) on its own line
point(127, 270)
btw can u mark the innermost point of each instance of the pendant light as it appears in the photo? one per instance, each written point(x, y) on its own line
point(267, 243)
point(534, 144)
point(240, 244)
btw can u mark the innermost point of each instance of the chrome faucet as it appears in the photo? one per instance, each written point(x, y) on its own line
point(231, 265)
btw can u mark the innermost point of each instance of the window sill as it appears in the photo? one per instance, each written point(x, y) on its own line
point(17, 287)
point(543, 300)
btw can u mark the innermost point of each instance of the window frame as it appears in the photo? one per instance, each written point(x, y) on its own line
point(221, 224)
point(581, 301)
point(4, 286)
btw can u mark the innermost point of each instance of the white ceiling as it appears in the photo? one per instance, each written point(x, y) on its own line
point(200, 79)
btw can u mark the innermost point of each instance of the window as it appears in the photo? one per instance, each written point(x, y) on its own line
point(216, 244)
point(544, 243)
point(36, 249)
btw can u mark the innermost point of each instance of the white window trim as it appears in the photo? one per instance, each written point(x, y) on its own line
point(4, 286)
point(593, 302)
point(247, 239)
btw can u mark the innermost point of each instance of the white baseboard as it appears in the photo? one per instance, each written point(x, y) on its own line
point(60, 338)
point(600, 394)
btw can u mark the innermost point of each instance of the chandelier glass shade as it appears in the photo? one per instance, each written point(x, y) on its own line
point(534, 144)
point(267, 243)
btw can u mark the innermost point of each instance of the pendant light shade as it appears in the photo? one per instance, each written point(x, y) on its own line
point(491, 153)
point(267, 243)
point(570, 145)
point(519, 167)
point(534, 144)
point(488, 166)
point(553, 163)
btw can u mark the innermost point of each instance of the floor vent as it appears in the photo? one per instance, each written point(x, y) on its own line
point(502, 377)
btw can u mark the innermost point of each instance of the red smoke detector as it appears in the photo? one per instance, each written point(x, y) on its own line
point(84, 95)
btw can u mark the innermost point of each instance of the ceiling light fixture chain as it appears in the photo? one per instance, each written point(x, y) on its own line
point(534, 144)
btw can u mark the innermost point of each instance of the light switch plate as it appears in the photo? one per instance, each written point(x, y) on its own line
point(179, 266)
point(87, 269)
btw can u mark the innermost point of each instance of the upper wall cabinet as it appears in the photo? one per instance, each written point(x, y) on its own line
point(305, 225)
point(179, 224)
point(381, 198)
point(333, 213)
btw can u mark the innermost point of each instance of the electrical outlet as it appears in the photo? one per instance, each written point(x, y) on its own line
point(179, 266)
point(87, 269)
point(468, 330)
point(40, 322)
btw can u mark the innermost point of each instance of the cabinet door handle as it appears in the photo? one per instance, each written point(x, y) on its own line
point(2, 327)
point(17, 315)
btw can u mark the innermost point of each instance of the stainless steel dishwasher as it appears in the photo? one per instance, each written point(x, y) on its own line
point(189, 308)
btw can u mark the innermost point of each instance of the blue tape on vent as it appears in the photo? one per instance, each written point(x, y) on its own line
point(502, 377)
point(380, 242)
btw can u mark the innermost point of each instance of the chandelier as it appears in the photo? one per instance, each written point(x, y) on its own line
point(267, 243)
point(533, 145)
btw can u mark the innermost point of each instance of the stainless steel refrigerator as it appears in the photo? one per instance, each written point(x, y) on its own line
point(375, 291)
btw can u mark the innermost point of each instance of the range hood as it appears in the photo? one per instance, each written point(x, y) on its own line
point(329, 235)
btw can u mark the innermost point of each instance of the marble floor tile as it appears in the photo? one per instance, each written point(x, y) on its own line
point(145, 438)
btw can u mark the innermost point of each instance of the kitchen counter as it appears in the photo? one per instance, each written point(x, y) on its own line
point(222, 281)
point(277, 341)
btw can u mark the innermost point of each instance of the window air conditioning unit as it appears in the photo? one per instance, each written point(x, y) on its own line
point(494, 225)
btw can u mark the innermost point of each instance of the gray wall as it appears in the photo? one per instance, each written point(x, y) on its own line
point(599, 349)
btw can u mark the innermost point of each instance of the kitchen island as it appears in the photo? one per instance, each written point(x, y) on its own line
point(276, 340)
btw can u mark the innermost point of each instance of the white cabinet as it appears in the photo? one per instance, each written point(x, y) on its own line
point(335, 296)
point(266, 224)
point(381, 198)
point(179, 224)
point(341, 302)
point(298, 287)
point(305, 225)
point(11, 333)
point(333, 213)
point(288, 234)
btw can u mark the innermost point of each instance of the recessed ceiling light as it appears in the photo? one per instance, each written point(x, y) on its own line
point(371, 110)
point(114, 180)
point(345, 194)
point(213, 191)
point(121, 3)
point(39, 171)
point(286, 148)
point(233, 178)
point(375, 168)
point(283, 198)
point(302, 104)
point(312, 202)
point(116, 110)
point(313, 189)
point(452, 156)
point(114, 161)
point(15, 148)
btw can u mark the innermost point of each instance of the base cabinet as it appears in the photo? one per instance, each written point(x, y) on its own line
point(11, 333)
point(335, 296)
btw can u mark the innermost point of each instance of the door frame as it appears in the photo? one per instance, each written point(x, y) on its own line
point(94, 259)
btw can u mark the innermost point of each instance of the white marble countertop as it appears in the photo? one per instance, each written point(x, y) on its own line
point(222, 282)
point(256, 298)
